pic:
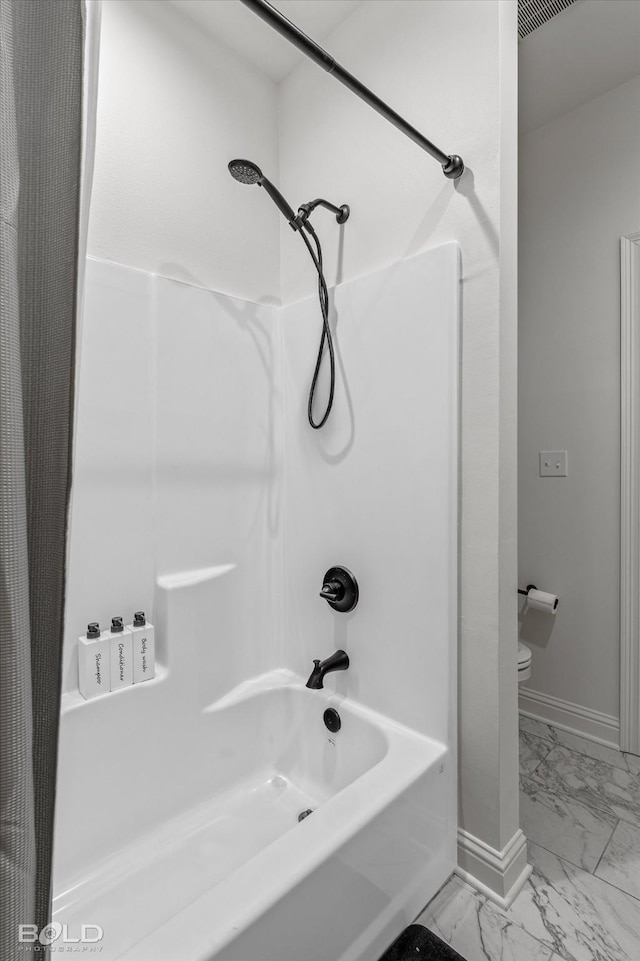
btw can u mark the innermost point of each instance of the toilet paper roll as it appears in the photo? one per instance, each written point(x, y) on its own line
point(541, 601)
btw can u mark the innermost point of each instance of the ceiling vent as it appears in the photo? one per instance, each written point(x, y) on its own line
point(533, 13)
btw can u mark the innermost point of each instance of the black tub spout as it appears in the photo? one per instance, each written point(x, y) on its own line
point(337, 662)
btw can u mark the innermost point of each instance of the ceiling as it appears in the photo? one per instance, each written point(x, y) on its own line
point(230, 22)
point(589, 48)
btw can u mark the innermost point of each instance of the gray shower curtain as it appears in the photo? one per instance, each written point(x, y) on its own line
point(41, 50)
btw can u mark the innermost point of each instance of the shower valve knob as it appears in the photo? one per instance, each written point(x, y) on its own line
point(340, 589)
point(332, 591)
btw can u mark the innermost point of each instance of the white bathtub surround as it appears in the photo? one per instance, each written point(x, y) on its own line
point(219, 752)
point(198, 436)
point(175, 469)
point(374, 489)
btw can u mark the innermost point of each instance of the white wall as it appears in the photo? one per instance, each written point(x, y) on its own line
point(219, 471)
point(579, 192)
point(450, 68)
point(579, 54)
point(174, 107)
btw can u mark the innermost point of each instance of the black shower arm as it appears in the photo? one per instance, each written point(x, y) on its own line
point(452, 165)
point(342, 213)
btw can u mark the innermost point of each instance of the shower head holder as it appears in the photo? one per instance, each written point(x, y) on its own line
point(342, 212)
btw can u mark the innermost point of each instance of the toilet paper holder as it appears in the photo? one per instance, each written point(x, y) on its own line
point(530, 587)
point(542, 601)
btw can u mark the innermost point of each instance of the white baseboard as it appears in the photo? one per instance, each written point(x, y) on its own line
point(499, 875)
point(602, 728)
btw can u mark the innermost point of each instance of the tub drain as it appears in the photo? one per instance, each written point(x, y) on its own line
point(305, 814)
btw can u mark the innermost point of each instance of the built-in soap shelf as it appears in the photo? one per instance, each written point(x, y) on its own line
point(117, 659)
point(72, 700)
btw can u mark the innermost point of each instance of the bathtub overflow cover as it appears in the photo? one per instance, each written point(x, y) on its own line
point(332, 720)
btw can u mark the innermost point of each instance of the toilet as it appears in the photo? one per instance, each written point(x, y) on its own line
point(524, 663)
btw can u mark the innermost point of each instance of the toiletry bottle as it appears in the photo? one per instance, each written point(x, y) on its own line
point(94, 674)
point(144, 655)
point(121, 652)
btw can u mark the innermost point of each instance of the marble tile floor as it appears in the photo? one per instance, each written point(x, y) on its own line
point(580, 811)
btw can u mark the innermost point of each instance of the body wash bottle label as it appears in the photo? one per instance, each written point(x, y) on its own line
point(94, 669)
point(144, 654)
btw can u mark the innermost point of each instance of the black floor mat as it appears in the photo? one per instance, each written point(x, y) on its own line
point(417, 943)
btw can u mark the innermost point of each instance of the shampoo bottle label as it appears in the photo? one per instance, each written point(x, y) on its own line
point(94, 668)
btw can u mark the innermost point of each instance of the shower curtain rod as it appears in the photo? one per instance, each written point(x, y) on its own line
point(452, 165)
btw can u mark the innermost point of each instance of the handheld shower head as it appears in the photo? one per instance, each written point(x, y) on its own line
point(246, 172)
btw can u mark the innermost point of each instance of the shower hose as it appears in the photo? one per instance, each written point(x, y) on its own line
point(323, 296)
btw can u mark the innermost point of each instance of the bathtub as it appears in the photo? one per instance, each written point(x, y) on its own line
point(233, 874)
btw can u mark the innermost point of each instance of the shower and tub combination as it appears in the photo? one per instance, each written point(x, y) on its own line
point(285, 786)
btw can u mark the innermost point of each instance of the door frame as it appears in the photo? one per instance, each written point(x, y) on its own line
point(630, 493)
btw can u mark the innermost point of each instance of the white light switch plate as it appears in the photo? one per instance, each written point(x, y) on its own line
point(553, 463)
